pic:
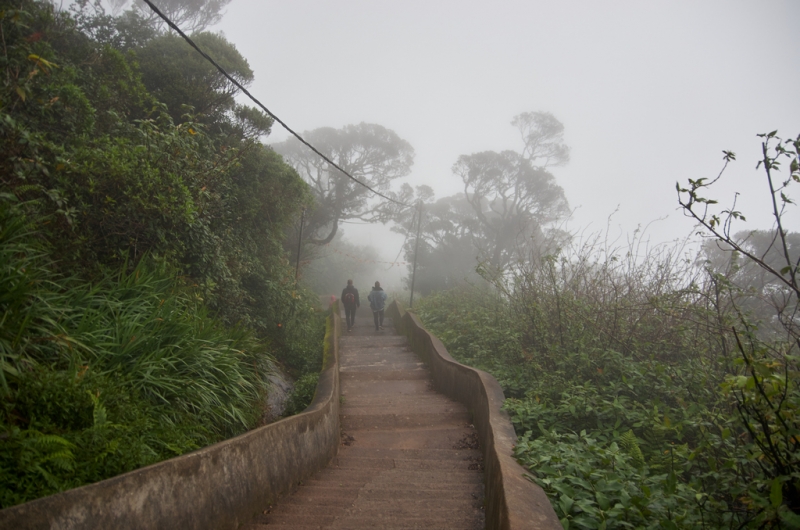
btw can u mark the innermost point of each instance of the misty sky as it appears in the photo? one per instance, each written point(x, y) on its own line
point(650, 93)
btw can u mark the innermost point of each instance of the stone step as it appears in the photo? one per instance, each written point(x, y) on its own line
point(443, 478)
point(410, 454)
point(386, 388)
point(292, 526)
point(433, 438)
point(379, 354)
point(382, 404)
point(373, 522)
point(354, 343)
point(408, 420)
point(399, 359)
point(408, 513)
point(393, 490)
point(399, 463)
point(374, 356)
point(350, 391)
point(376, 518)
point(381, 375)
point(312, 505)
point(404, 409)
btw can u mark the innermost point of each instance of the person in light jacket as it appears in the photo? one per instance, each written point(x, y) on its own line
point(377, 302)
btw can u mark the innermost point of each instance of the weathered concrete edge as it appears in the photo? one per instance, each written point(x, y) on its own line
point(218, 487)
point(512, 501)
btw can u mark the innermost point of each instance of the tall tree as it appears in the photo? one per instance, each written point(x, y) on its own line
point(177, 75)
point(447, 254)
point(512, 201)
point(512, 194)
point(189, 15)
point(371, 153)
point(504, 215)
point(543, 137)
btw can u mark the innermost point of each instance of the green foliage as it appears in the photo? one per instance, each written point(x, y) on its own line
point(103, 378)
point(302, 394)
point(144, 289)
point(122, 180)
point(178, 76)
point(615, 387)
point(306, 362)
point(764, 386)
point(596, 483)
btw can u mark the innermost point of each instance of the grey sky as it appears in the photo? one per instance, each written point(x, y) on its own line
point(649, 92)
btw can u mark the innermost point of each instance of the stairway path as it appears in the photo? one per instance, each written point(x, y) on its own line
point(409, 457)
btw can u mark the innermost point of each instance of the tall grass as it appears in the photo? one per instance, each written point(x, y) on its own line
point(100, 379)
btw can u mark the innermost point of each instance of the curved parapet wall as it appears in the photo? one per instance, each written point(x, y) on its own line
point(512, 501)
point(218, 487)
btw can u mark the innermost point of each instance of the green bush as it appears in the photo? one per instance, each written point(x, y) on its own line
point(614, 385)
point(302, 394)
point(104, 378)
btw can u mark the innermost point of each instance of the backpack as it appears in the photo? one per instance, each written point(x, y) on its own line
point(349, 299)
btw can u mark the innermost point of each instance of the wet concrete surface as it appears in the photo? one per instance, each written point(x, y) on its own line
point(409, 456)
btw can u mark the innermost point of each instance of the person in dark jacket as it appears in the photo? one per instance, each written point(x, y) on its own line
point(350, 302)
point(377, 301)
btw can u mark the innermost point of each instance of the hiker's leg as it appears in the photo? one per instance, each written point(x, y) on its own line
point(375, 318)
point(381, 317)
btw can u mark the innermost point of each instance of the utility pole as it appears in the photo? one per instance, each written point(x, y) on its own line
point(416, 251)
point(299, 245)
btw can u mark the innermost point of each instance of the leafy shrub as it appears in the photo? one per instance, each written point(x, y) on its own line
point(614, 386)
point(598, 484)
point(311, 363)
point(302, 394)
point(101, 379)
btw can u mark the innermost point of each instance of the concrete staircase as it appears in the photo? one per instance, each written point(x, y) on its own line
point(409, 456)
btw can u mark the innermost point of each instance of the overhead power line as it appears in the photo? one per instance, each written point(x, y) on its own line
point(261, 105)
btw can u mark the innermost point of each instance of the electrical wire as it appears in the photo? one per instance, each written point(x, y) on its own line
point(399, 251)
point(405, 239)
point(264, 108)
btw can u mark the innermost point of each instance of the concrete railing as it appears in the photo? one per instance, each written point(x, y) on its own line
point(219, 487)
point(512, 501)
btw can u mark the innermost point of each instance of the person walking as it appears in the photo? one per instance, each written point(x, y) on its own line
point(351, 303)
point(377, 301)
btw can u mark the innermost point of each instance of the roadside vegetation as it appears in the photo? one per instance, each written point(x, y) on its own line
point(146, 293)
point(651, 387)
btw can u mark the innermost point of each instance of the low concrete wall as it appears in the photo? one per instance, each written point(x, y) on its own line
point(512, 501)
point(219, 487)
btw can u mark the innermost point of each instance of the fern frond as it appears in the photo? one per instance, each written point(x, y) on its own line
point(62, 459)
point(631, 445)
point(47, 442)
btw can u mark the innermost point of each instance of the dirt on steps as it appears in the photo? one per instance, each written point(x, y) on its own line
point(409, 457)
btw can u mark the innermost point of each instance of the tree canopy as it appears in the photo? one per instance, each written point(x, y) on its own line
point(511, 200)
point(371, 153)
point(189, 15)
point(179, 77)
point(505, 214)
